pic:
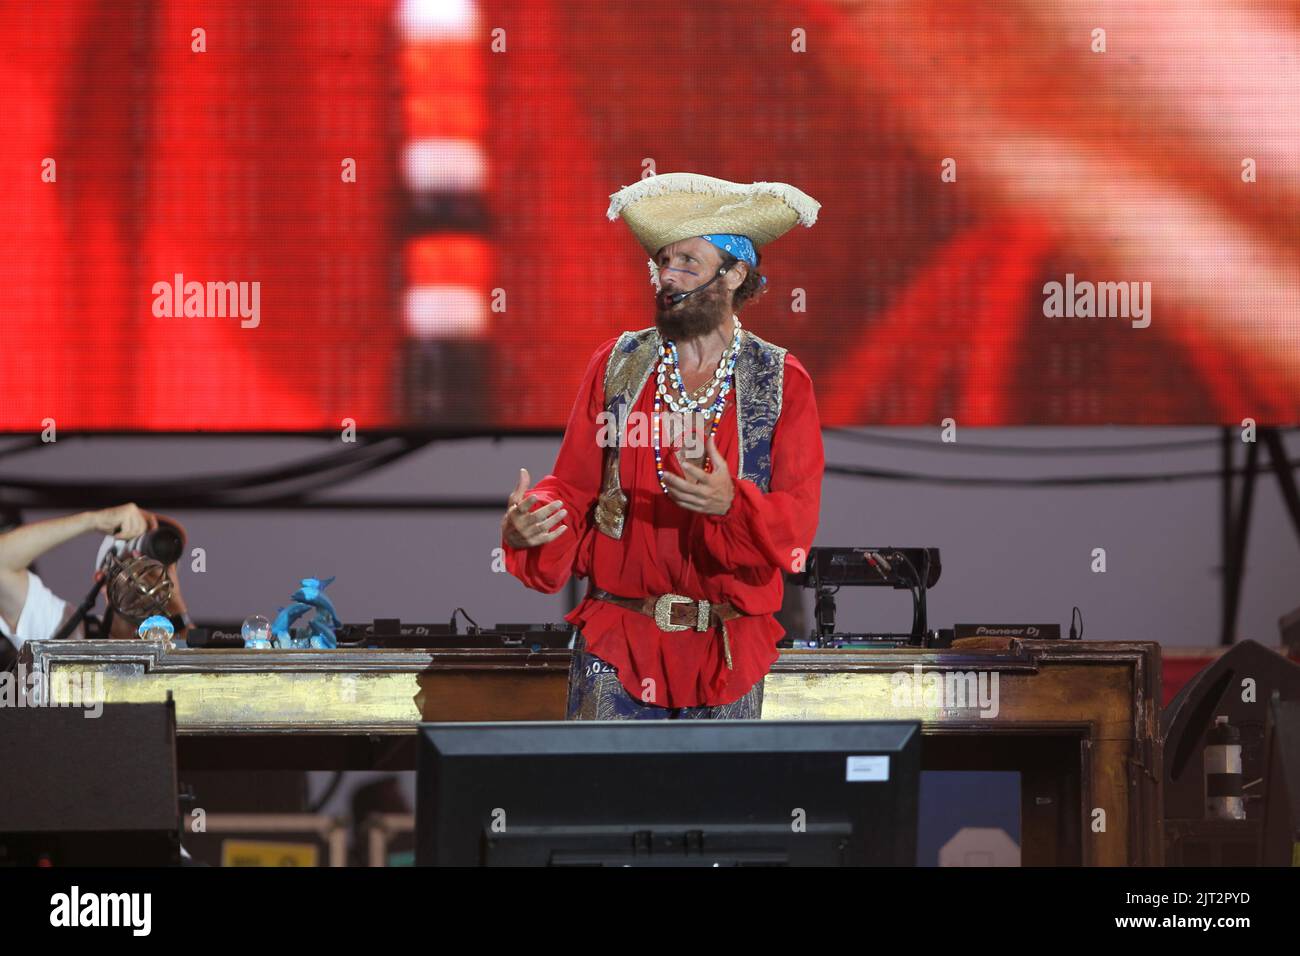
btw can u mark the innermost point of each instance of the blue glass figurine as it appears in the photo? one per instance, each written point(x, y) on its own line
point(319, 633)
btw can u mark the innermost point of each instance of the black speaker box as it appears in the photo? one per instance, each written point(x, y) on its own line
point(1281, 841)
point(84, 790)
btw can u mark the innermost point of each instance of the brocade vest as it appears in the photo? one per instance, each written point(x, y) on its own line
point(759, 377)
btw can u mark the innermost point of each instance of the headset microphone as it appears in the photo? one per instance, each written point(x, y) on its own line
point(669, 299)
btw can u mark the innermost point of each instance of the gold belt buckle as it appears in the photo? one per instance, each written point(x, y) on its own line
point(664, 613)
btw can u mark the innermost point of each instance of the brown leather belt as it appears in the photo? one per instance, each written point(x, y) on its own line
point(676, 612)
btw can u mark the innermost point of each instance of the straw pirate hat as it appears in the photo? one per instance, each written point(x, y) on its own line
point(668, 208)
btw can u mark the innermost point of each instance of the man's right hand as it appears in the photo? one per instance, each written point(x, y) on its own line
point(125, 522)
point(522, 527)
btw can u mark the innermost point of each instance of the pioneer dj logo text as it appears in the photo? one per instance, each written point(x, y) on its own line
point(76, 909)
point(946, 691)
point(1028, 631)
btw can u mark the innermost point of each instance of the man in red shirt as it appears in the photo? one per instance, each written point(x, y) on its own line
point(689, 478)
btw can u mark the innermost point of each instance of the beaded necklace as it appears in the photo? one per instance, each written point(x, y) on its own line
point(722, 380)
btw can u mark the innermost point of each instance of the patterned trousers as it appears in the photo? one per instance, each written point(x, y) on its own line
point(596, 694)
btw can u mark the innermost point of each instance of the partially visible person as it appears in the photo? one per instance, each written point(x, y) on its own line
point(29, 610)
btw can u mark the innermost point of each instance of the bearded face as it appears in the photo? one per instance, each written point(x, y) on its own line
point(697, 316)
point(682, 267)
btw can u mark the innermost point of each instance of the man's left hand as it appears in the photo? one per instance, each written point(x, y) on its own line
point(708, 492)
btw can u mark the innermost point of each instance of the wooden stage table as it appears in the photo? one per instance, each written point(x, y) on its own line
point(1078, 719)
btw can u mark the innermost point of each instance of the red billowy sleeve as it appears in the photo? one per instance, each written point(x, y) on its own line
point(776, 529)
point(575, 480)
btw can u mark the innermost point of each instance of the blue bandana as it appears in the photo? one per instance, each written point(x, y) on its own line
point(739, 246)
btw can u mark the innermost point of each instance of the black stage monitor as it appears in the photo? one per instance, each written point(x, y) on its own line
point(89, 786)
point(1281, 827)
point(668, 793)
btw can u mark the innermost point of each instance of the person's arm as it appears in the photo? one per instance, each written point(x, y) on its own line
point(24, 544)
point(776, 529)
point(575, 481)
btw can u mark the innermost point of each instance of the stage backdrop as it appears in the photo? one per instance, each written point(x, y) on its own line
point(276, 216)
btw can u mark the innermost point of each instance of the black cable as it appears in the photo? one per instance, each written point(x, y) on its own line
point(384, 449)
point(461, 610)
point(91, 495)
point(494, 503)
point(919, 617)
point(218, 483)
point(332, 788)
point(883, 474)
point(82, 610)
point(320, 472)
point(20, 447)
point(54, 494)
point(933, 444)
point(346, 471)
